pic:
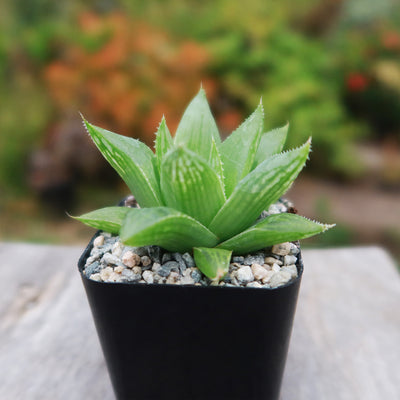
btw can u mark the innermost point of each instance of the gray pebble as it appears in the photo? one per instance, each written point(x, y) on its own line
point(146, 261)
point(188, 260)
point(110, 259)
point(196, 275)
point(179, 259)
point(257, 259)
point(91, 260)
point(166, 257)
point(129, 275)
point(140, 251)
point(168, 267)
point(93, 268)
point(238, 259)
point(154, 252)
point(107, 247)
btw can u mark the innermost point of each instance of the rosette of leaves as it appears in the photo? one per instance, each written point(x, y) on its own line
point(198, 193)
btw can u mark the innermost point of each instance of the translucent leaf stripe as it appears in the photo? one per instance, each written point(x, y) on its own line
point(239, 149)
point(132, 160)
point(191, 186)
point(271, 143)
point(263, 186)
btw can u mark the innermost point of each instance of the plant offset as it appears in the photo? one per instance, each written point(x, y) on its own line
point(199, 193)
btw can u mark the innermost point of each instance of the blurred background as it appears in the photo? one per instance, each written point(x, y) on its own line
point(329, 67)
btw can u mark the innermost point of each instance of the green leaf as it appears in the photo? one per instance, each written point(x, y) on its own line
point(213, 263)
point(271, 143)
point(239, 149)
point(254, 193)
point(216, 163)
point(164, 142)
point(190, 185)
point(197, 127)
point(132, 160)
point(165, 227)
point(108, 219)
point(274, 229)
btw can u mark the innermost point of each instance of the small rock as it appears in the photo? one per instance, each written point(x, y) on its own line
point(292, 269)
point(259, 272)
point(156, 267)
point(288, 260)
point(173, 278)
point(154, 252)
point(187, 280)
point(105, 273)
point(272, 260)
point(146, 261)
point(294, 250)
point(107, 248)
point(166, 257)
point(140, 251)
point(234, 267)
point(274, 209)
point(188, 260)
point(172, 265)
point(196, 275)
point(178, 258)
point(276, 268)
point(238, 259)
point(137, 270)
point(130, 259)
point(130, 275)
point(119, 269)
point(148, 276)
point(254, 285)
point(268, 277)
point(110, 259)
point(158, 279)
point(117, 249)
point(244, 275)
point(99, 241)
point(257, 259)
point(96, 277)
point(114, 277)
point(280, 278)
point(92, 268)
point(282, 249)
point(91, 260)
point(168, 267)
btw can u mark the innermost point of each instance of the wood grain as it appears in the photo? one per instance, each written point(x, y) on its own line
point(345, 343)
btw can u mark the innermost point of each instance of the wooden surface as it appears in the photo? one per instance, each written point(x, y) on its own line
point(345, 342)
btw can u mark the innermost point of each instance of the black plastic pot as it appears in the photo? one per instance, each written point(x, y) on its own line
point(175, 342)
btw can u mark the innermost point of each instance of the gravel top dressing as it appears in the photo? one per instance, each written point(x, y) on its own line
point(111, 261)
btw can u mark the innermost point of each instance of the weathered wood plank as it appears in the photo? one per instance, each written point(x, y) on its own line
point(345, 343)
point(346, 338)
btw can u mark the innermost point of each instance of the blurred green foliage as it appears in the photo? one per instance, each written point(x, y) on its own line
point(271, 50)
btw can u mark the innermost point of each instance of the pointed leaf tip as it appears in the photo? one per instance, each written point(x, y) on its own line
point(212, 262)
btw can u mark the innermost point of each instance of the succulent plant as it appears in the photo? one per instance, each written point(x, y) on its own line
point(199, 193)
